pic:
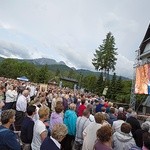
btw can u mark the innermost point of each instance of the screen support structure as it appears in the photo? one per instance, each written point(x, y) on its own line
point(132, 96)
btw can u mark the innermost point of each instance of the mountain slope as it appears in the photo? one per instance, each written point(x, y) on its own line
point(53, 65)
point(42, 61)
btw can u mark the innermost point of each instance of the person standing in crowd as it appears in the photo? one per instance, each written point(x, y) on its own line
point(70, 119)
point(138, 135)
point(57, 116)
point(21, 107)
point(123, 140)
point(117, 124)
point(89, 108)
point(104, 141)
point(89, 133)
point(99, 106)
point(112, 116)
point(39, 130)
point(8, 139)
point(10, 97)
point(27, 128)
point(1, 106)
point(148, 122)
point(129, 111)
point(82, 107)
point(32, 91)
point(146, 141)
point(132, 120)
point(58, 133)
point(2, 93)
point(82, 123)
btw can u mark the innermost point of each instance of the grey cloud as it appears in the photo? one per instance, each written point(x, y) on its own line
point(10, 49)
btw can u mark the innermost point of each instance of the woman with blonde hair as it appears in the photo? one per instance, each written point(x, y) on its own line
point(40, 131)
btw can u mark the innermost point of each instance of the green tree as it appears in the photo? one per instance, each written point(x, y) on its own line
point(89, 83)
point(105, 57)
point(43, 74)
point(124, 95)
point(29, 70)
point(100, 85)
point(112, 88)
point(119, 85)
point(71, 73)
point(9, 68)
point(57, 73)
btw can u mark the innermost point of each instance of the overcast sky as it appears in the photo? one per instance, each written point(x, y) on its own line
point(71, 30)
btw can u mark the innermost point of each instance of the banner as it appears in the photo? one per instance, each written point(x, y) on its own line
point(43, 87)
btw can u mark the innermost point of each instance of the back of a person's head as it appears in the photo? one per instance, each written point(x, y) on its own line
point(146, 140)
point(59, 108)
point(89, 107)
point(86, 113)
point(7, 115)
point(112, 110)
point(72, 106)
point(104, 134)
point(145, 126)
point(130, 110)
point(121, 116)
point(83, 101)
point(59, 131)
point(103, 109)
point(31, 109)
point(126, 128)
point(43, 111)
point(99, 117)
point(120, 109)
point(110, 104)
point(134, 114)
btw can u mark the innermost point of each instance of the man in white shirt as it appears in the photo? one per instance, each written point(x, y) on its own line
point(10, 97)
point(21, 107)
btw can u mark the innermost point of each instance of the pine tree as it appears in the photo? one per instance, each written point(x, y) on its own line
point(119, 85)
point(105, 57)
point(100, 85)
point(112, 88)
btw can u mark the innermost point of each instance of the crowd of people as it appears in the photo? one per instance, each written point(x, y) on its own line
point(56, 118)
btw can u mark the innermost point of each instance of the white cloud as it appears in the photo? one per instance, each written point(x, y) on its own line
point(71, 30)
point(5, 25)
point(124, 66)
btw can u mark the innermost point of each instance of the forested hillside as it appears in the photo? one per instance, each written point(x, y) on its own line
point(118, 88)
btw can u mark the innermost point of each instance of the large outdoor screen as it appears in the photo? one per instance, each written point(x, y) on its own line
point(142, 83)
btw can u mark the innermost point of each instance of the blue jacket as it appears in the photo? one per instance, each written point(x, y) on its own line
point(70, 119)
point(8, 139)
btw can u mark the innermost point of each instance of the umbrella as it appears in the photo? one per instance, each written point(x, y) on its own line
point(23, 78)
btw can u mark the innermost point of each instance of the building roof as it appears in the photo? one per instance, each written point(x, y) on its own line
point(69, 79)
point(145, 40)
